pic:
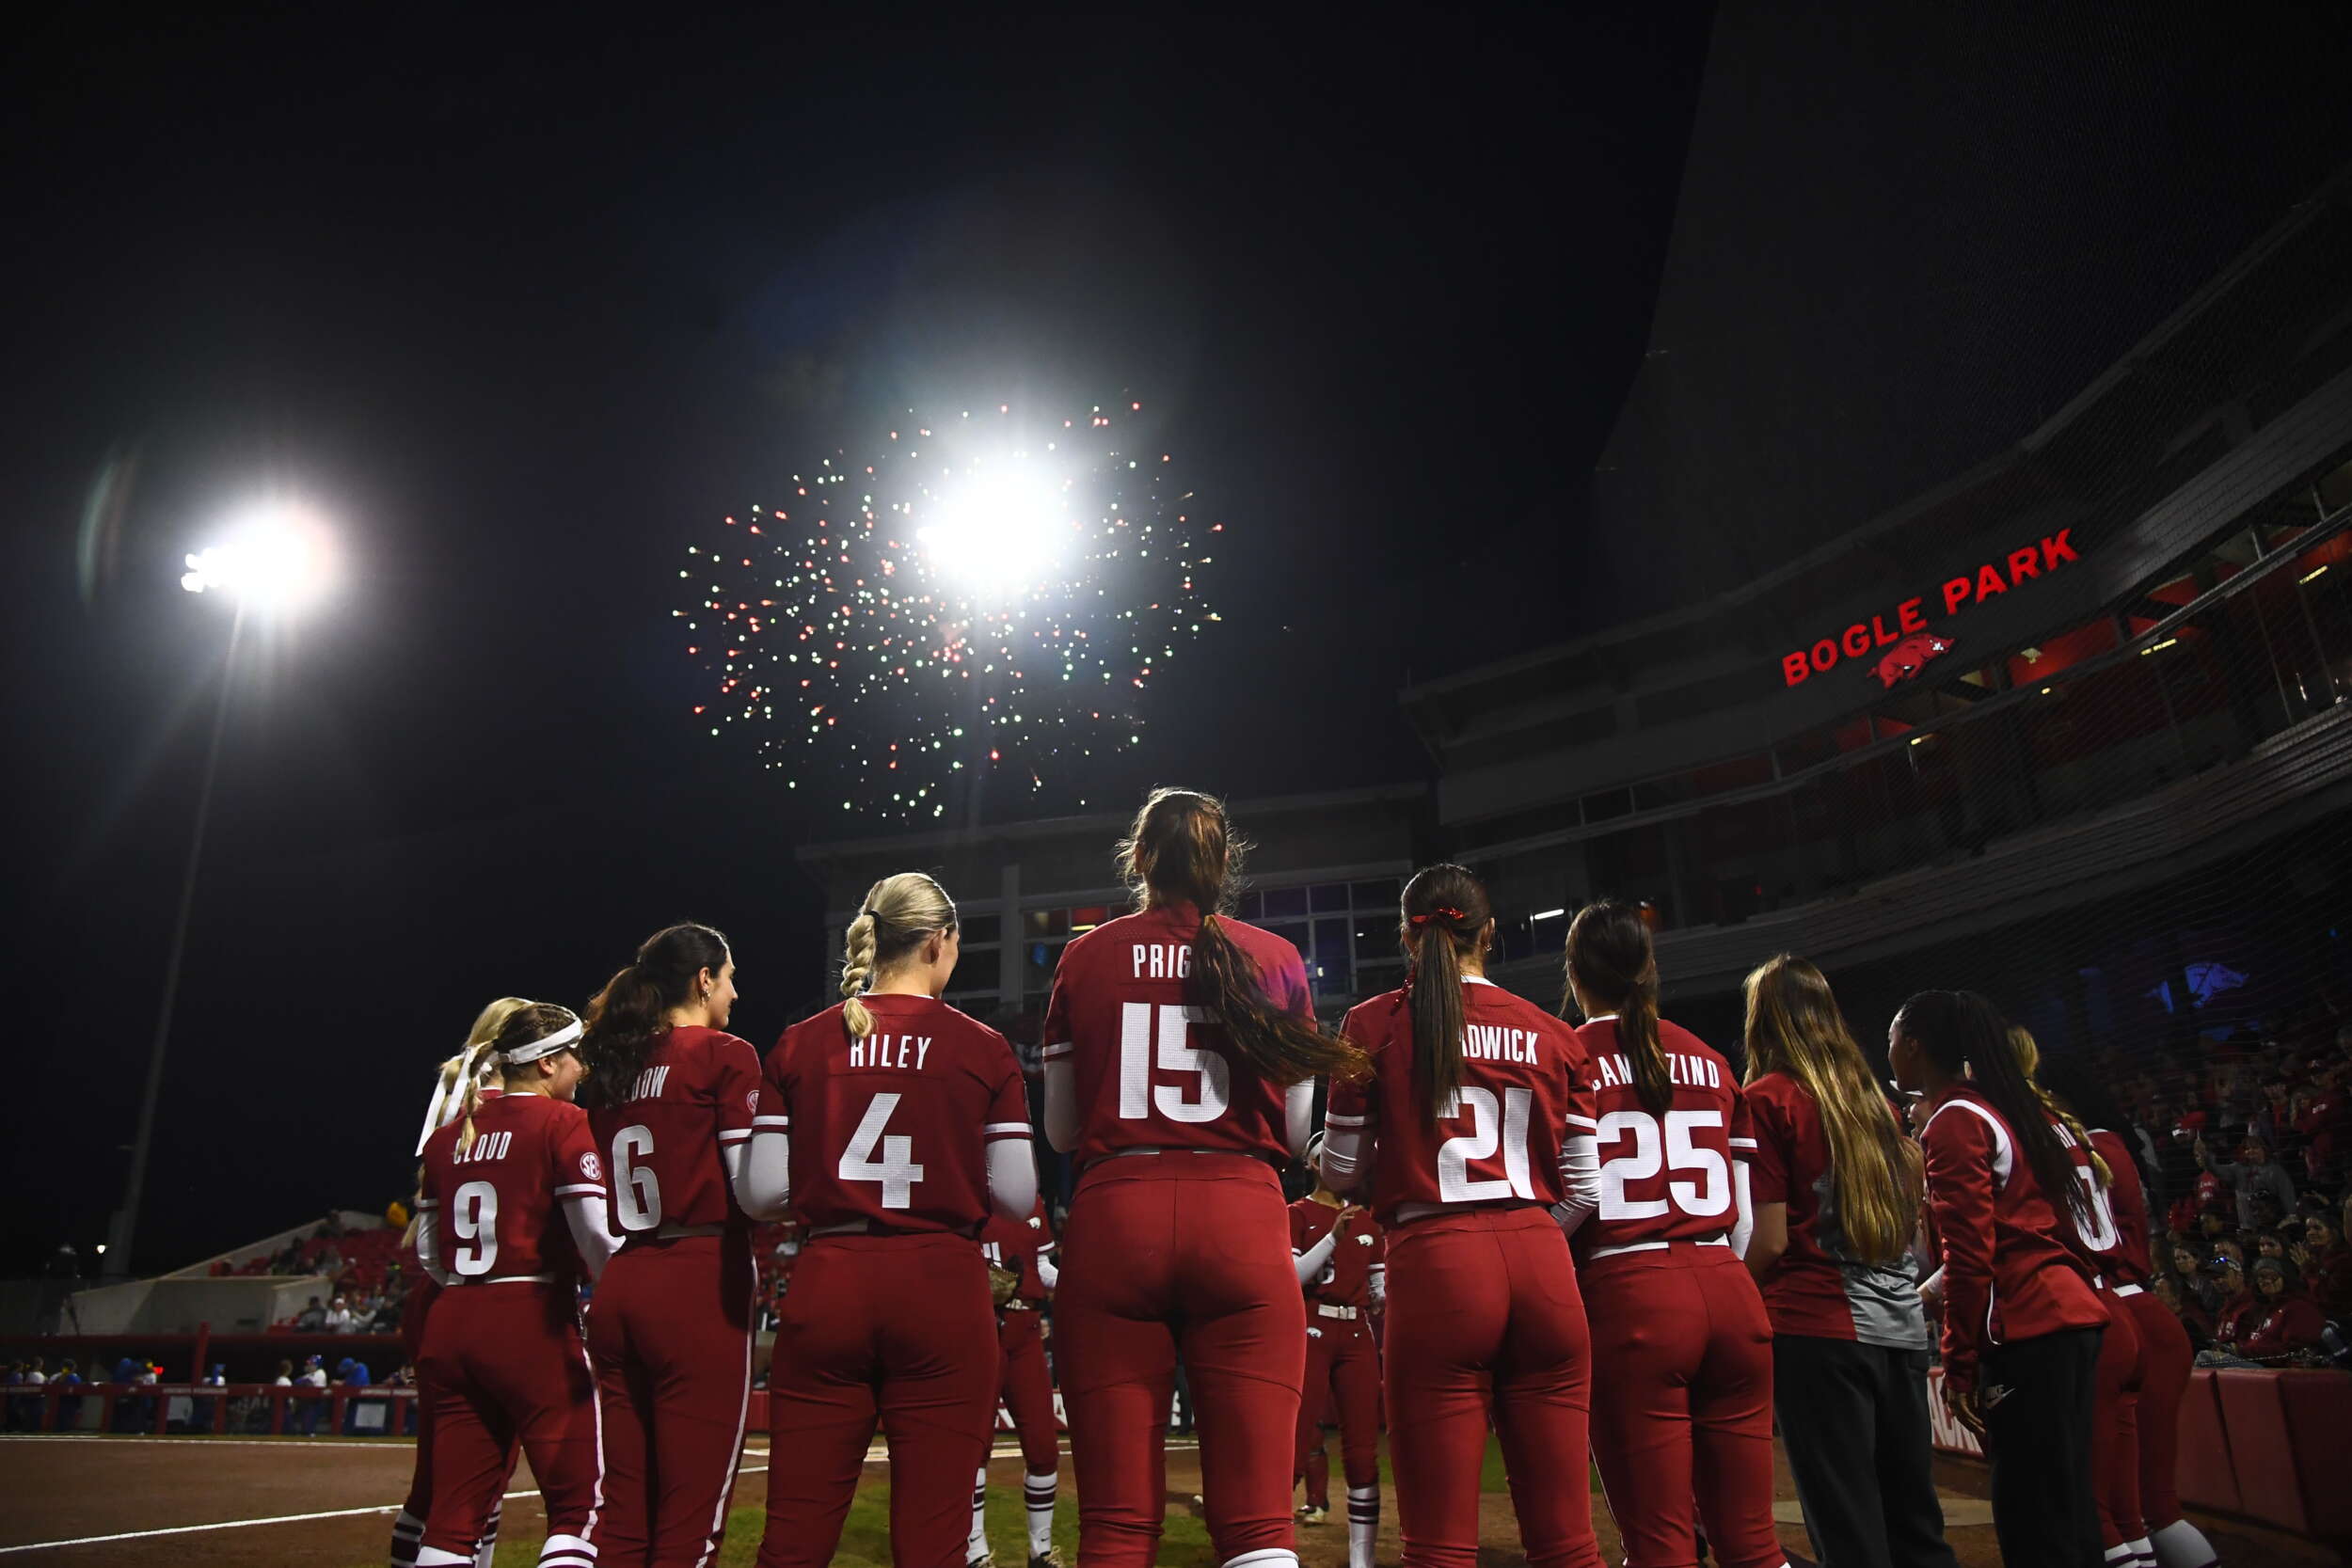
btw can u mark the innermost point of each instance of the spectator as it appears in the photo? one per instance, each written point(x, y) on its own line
point(2238, 1314)
point(2286, 1323)
point(70, 1407)
point(338, 1319)
point(2253, 1174)
point(2323, 1119)
point(2184, 1305)
point(353, 1375)
point(313, 1376)
point(285, 1375)
point(2325, 1265)
point(311, 1318)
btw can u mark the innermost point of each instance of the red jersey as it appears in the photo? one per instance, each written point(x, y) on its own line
point(2009, 1269)
point(2126, 1263)
point(1818, 1287)
point(1153, 1072)
point(499, 1199)
point(1525, 1083)
point(1347, 1278)
point(1663, 1179)
point(1016, 1245)
point(2283, 1326)
point(893, 1129)
point(697, 1092)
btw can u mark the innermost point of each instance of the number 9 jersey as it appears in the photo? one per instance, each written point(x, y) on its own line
point(1665, 1177)
point(1526, 1087)
point(882, 1129)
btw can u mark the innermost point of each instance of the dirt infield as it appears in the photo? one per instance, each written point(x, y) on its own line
point(322, 1503)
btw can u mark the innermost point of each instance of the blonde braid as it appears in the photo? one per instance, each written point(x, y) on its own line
point(856, 973)
point(2029, 1059)
point(471, 1071)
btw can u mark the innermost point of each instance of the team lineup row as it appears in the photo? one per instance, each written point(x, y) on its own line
point(1598, 1244)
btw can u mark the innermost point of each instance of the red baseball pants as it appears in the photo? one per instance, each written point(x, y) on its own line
point(1682, 1404)
point(1028, 1391)
point(408, 1527)
point(503, 1363)
point(2165, 1360)
point(670, 1332)
point(1343, 1377)
point(895, 1329)
point(1484, 1322)
point(2115, 1429)
point(1187, 1253)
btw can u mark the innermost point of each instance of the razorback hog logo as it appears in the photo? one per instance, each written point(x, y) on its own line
point(1905, 659)
point(1902, 632)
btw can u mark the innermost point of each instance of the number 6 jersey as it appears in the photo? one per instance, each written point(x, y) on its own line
point(1526, 1087)
point(698, 1092)
point(1663, 1178)
point(893, 1129)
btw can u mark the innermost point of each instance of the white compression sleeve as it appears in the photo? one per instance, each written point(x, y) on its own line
point(1298, 1115)
point(1012, 1176)
point(591, 1232)
point(762, 1179)
point(429, 1244)
point(1061, 1101)
point(1743, 1227)
point(1309, 1263)
point(1347, 1164)
point(1047, 1275)
point(1579, 1176)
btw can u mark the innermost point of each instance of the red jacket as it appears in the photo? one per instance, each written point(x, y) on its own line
point(2234, 1321)
point(2008, 1272)
point(2281, 1327)
point(2332, 1281)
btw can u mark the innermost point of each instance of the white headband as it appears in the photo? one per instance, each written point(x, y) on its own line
point(545, 1046)
point(449, 1093)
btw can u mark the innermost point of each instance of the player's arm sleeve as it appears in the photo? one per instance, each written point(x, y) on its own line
point(1011, 1152)
point(1743, 1210)
point(1298, 1115)
point(1376, 1283)
point(1960, 1156)
point(590, 1230)
point(1061, 1073)
point(762, 1179)
point(1579, 1153)
point(1047, 1275)
point(429, 1244)
point(1346, 1163)
point(1309, 1263)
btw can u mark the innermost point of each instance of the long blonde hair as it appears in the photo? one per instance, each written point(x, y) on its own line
point(1794, 1026)
point(2029, 1063)
point(449, 1093)
point(900, 914)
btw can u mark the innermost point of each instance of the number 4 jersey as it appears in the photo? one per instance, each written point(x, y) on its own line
point(1526, 1085)
point(500, 1197)
point(697, 1093)
point(1663, 1178)
point(892, 1130)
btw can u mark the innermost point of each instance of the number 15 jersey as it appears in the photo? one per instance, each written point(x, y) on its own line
point(1665, 1177)
point(893, 1129)
point(1526, 1085)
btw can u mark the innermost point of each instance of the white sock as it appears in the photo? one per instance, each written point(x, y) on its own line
point(1037, 1492)
point(408, 1535)
point(2119, 1555)
point(433, 1556)
point(977, 1543)
point(567, 1551)
point(2143, 1555)
point(2181, 1545)
point(1363, 1523)
point(486, 1550)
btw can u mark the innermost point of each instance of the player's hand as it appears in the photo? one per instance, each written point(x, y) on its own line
point(1961, 1405)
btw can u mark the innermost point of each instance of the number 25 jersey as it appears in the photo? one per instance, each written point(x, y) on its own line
point(892, 1130)
point(1665, 1177)
point(1525, 1085)
point(1151, 1072)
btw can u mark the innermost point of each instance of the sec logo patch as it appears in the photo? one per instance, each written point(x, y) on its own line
point(591, 1167)
point(750, 1102)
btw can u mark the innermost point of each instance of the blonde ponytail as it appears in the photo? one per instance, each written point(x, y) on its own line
point(900, 914)
point(470, 1073)
point(2029, 1063)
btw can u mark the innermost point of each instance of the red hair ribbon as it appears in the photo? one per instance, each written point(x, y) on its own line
point(1440, 910)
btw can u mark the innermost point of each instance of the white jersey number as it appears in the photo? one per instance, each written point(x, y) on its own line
point(1705, 1199)
point(473, 1219)
point(2100, 1234)
point(1493, 1125)
point(636, 1190)
point(1138, 1097)
point(896, 1170)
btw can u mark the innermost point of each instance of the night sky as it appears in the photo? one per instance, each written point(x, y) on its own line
point(525, 306)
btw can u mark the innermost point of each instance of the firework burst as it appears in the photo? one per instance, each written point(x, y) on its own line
point(979, 596)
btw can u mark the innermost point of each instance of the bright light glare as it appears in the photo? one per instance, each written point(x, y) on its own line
point(1547, 914)
point(277, 559)
point(999, 530)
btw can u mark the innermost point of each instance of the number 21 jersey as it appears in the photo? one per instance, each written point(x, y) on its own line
point(1525, 1085)
point(892, 1130)
point(1665, 1177)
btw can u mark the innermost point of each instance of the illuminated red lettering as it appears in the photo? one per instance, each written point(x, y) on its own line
point(1989, 584)
point(1794, 669)
point(1824, 654)
point(1880, 636)
point(1955, 591)
point(1857, 642)
point(1907, 616)
point(2023, 564)
point(2058, 549)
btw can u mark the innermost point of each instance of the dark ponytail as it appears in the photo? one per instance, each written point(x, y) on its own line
point(1180, 851)
point(632, 1014)
point(1965, 1037)
point(1610, 960)
point(1445, 913)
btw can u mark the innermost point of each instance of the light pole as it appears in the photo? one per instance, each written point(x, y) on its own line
point(274, 563)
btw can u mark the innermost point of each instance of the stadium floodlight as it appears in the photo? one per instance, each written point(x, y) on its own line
point(1547, 914)
point(1001, 529)
point(275, 559)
